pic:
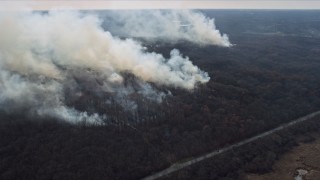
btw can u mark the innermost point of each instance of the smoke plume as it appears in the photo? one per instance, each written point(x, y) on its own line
point(165, 25)
point(45, 57)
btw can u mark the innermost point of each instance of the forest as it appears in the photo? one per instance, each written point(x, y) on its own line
point(269, 77)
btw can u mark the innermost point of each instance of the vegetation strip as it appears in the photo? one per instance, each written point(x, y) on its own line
point(178, 166)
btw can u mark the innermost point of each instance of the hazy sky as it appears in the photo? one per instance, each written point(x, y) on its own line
point(157, 4)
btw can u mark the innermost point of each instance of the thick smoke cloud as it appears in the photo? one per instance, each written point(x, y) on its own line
point(43, 54)
point(165, 25)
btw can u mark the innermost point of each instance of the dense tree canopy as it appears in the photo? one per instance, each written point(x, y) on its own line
point(264, 80)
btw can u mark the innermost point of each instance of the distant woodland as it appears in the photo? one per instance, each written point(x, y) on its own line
point(264, 80)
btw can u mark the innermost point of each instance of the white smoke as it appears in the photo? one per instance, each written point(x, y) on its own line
point(43, 53)
point(172, 25)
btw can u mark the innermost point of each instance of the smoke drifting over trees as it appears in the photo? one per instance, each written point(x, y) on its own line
point(167, 25)
point(43, 55)
point(270, 78)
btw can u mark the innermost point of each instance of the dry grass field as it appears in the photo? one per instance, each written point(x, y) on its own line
point(306, 156)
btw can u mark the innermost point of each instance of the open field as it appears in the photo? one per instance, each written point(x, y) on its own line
point(306, 156)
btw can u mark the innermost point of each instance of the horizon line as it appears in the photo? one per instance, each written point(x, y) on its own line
point(157, 4)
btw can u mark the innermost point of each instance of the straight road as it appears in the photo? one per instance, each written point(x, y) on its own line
point(178, 166)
